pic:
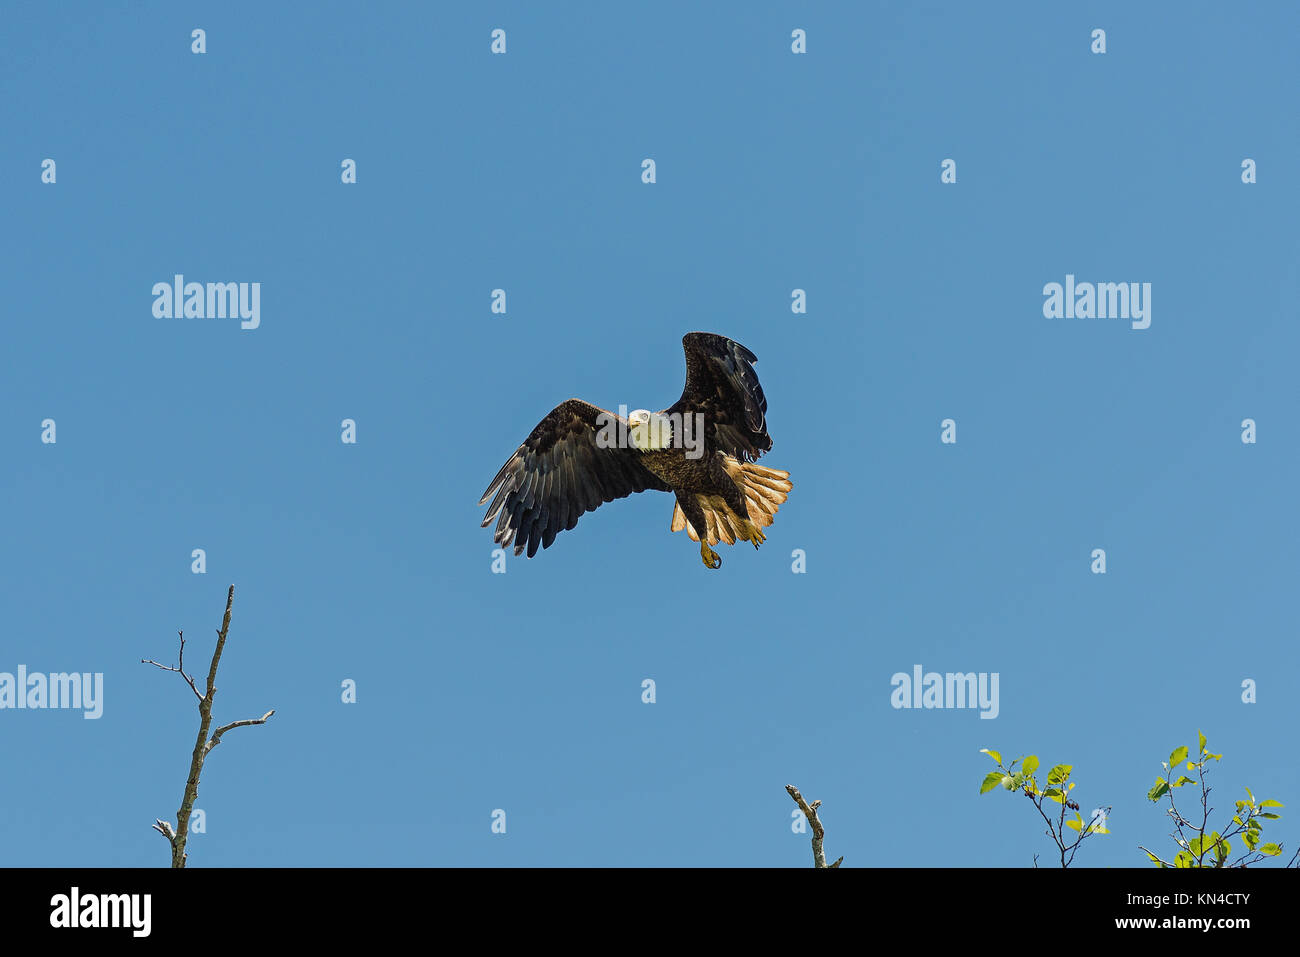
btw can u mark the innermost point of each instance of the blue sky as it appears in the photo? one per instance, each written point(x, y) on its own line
point(775, 171)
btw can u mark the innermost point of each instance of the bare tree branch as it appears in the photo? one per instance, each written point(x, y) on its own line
point(216, 737)
point(163, 828)
point(202, 744)
point(179, 669)
point(1154, 856)
point(819, 833)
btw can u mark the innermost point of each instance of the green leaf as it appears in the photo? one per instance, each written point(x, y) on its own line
point(1155, 860)
point(1251, 838)
point(1074, 825)
point(1201, 750)
point(1179, 755)
point(1196, 844)
point(1059, 774)
point(1271, 803)
point(1215, 756)
point(1270, 815)
point(1184, 860)
point(1272, 850)
point(1030, 765)
point(1251, 796)
point(1191, 765)
point(992, 754)
point(991, 780)
point(1159, 791)
point(1055, 794)
point(1182, 780)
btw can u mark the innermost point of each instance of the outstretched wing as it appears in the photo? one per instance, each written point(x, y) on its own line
point(722, 385)
point(557, 474)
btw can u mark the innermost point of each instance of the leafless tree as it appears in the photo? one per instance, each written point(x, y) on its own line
point(203, 745)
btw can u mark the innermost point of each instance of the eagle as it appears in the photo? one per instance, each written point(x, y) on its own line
point(702, 449)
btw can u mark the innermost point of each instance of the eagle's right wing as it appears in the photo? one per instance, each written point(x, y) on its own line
point(721, 385)
point(558, 473)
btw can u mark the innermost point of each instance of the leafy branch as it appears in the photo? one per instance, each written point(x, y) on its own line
point(1198, 845)
point(1057, 791)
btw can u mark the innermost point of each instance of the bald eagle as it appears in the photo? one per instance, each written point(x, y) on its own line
point(701, 448)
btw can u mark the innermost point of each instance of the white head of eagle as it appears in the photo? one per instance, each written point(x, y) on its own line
point(649, 431)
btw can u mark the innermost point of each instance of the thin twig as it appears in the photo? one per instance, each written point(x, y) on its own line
point(163, 828)
point(1156, 856)
point(216, 737)
point(819, 833)
point(179, 669)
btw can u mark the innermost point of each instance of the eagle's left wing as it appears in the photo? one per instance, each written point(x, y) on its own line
point(559, 472)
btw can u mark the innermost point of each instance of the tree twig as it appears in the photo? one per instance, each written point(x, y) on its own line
point(1155, 856)
point(819, 833)
point(216, 736)
point(179, 669)
point(163, 828)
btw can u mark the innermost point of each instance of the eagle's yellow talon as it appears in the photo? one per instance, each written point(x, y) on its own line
point(757, 537)
point(709, 556)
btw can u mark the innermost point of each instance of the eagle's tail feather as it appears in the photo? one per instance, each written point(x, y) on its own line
point(765, 491)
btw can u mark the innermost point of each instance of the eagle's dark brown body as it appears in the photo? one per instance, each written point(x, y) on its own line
point(684, 474)
point(696, 482)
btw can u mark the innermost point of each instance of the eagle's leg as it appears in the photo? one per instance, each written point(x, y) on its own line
point(756, 535)
point(690, 506)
